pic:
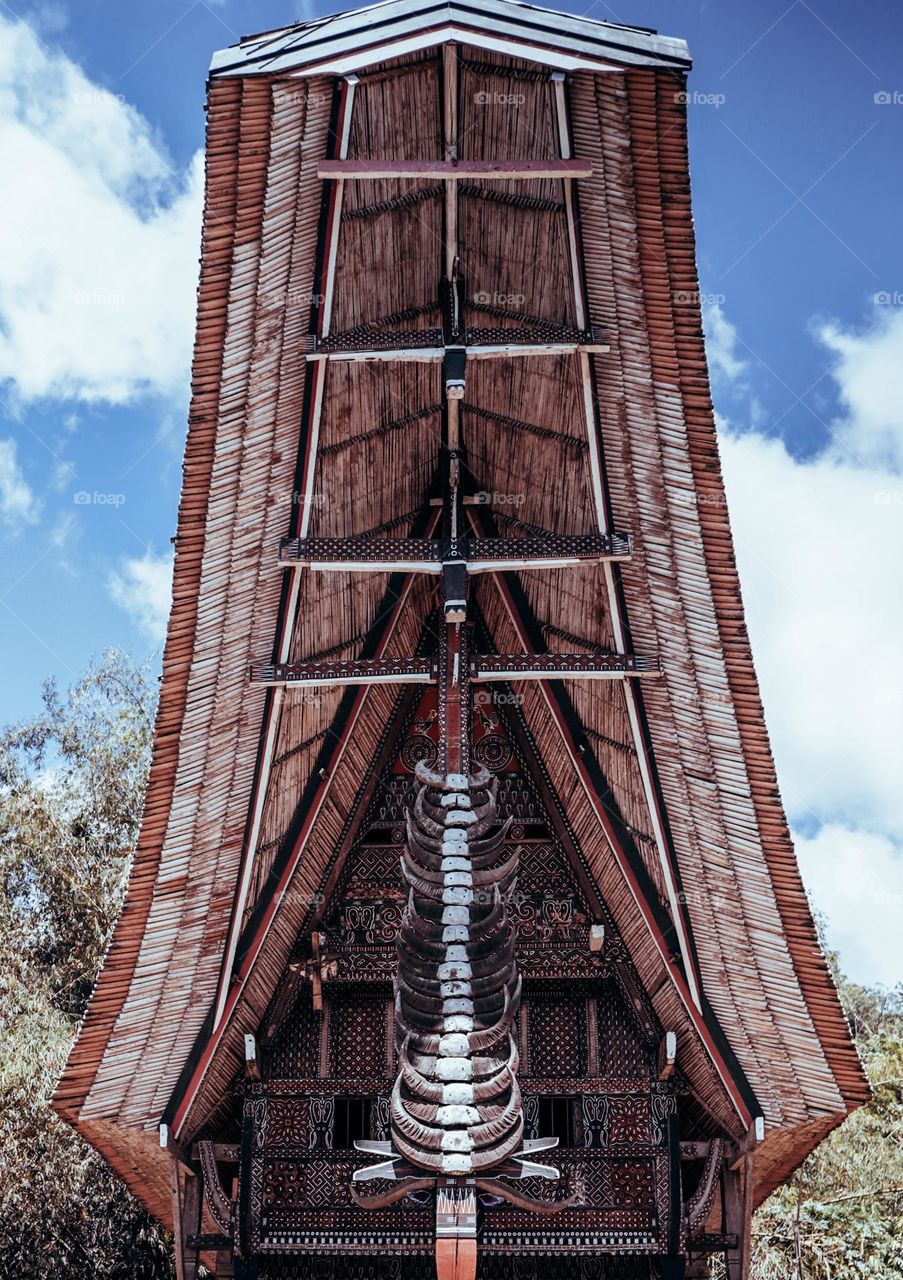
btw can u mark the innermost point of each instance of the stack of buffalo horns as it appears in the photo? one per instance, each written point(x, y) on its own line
point(456, 1106)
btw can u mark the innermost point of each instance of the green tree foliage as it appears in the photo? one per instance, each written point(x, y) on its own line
point(841, 1215)
point(71, 788)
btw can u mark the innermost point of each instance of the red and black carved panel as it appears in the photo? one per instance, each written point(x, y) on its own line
point(493, 1267)
point(295, 1051)
point(556, 1033)
point(624, 1050)
point(358, 1033)
point(296, 1186)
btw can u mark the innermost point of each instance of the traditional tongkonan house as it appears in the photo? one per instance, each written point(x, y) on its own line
point(465, 935)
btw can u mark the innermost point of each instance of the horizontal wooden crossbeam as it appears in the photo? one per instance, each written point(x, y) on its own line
point(426, 555)
point(487, 170)
point(428, 354)
point(555, 551)
point(360, 671)
point(351, 555)
point(484, 668)
point(472, 340)
point(560, 666)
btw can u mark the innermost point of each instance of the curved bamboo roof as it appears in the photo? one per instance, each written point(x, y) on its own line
point(250, 791)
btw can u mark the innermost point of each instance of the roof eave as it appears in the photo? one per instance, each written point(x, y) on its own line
point(356, 38)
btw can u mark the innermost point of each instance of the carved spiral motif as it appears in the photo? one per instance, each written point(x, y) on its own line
point(456, 1107)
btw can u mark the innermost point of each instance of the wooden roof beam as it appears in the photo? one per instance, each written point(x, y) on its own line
point(484, 668)
point(489, 667)
point(485, 170)
point(480, 351)
point(450, 121)
point(426, 555)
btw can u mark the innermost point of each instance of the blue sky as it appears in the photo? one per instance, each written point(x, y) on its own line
point(796, 116)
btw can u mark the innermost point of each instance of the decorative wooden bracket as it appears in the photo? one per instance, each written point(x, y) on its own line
point(215, 1198)
point(700, 1203)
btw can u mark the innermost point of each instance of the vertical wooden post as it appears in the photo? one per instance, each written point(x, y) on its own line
point(224, 1266)
point(673, 1264)
point(737, 1199)
point(191, 1223)
point(186, 1214)
point(177, 1227)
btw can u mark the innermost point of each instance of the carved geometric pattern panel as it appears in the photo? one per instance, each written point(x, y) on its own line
point(357, 1035)
point(288, 1122)
point(556, 1034)
point(570, 1267)
point(623, 1051)
point(631, 1183)
point(491, 1268)
point(296, 1051)
point(629, 1120)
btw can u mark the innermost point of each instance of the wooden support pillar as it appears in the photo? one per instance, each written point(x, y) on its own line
point(737, 1192)
point(186, 1213)
point(224, 1266)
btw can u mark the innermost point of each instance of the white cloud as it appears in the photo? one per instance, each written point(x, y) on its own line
point(857, 880)
point(818, 547)
point(721, 341)
point(869, 374)
point(143, 587)
point(47, 16)
point(100, 242)
point(18, 505)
